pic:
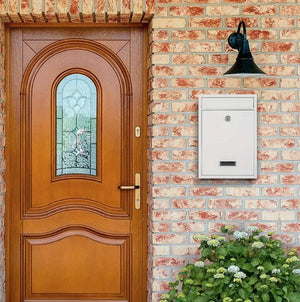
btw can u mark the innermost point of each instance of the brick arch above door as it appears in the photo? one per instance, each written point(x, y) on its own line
point(77, 11)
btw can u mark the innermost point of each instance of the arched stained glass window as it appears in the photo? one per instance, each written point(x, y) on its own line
point(76, 125)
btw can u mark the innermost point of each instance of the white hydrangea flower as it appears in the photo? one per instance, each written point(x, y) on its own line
point(240, 275)
point(233, 269)
point(199, 264)
point(257, 245)
point(240, 235)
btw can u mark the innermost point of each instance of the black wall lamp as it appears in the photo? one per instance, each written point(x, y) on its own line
point(244, 65)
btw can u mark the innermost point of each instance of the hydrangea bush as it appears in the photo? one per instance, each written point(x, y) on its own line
point(239, 267)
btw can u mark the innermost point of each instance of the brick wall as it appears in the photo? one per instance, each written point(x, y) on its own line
point(188, 55)
point(188, 42)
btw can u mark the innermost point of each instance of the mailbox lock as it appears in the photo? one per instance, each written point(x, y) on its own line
point(227, 118)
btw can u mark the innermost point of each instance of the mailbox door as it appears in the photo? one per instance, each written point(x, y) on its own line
point(228, 144)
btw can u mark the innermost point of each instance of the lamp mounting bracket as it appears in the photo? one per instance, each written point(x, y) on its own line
point(235, 40)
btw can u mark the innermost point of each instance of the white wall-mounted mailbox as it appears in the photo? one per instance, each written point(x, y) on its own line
point(227, 136)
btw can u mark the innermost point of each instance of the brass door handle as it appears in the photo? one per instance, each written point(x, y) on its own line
point(137, 188)
point(129, 187)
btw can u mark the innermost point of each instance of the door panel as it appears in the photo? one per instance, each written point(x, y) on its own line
point(82, 239)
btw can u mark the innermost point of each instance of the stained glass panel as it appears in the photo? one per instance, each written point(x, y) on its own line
point(76, 130)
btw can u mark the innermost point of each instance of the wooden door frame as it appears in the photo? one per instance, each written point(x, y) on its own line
point(9, 133)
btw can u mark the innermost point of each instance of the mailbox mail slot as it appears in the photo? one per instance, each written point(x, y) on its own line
point(227, 137)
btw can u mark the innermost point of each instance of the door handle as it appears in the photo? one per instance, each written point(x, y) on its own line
point(137, 188)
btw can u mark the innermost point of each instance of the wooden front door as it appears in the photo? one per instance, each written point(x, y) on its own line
point(75, 110)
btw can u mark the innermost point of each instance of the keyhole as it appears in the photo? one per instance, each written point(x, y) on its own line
point(227, 118)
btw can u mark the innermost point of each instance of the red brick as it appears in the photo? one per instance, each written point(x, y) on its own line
point(218, 34)
point(240, 191)
point(185, 107)
point(224, 203)
point(224, 83)
point(168, 119)
point(161, 11)
point(290, 107)
point(187, 82)
point(261, 204)
point(160, 179)
point(206, 191)
point(192, 226)
point(278, 191)
point(168, 47)
point(205, 71)
point(206, 215)
point(278, 143)
point(205, 47)
point(290, 131)
point(185, 250)
point(188, 203)
point(285, 95)
point(290, 59)
point(259, 10)
point(290, 34)
point(290, 83)
point(169, 215)
point(168, 143)
point(188, 35)
point(267, 227)
point(169, 261)
point(205, 22)
point(290, 179)
point(228, 10)
point(168, 167)
point(278, 215)
point(159, 83)
point(159, 131)
point(264, 180)
point(278, 119)
point(169, 239)
point(169, 71)
point(234, 21)
point(290, 10)
point(159, 35)
point(160, 227)
point(184, 155)
point(290, 227)
point(287, 239)
point(188, 59)
point(168, 23)
point(267, 131)
point(159, 155)
point(173, 95)
point(184, 179)
point(218, 59)
point(262, 34)
point(290, 204)
point(184, 131)
point(280, 70)
point(168, 191)
point(277, 167)
point(186, 10)
point(263, 82)
point(161, 273)
point(158, 107)
point(290, 155)
point(277, 22)
point(216, 226)
point(241, 215)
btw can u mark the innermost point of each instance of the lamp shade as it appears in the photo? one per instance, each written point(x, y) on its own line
point(244, 64)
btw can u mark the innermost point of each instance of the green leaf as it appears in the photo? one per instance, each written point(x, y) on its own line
point(248, 267)
point(255, 262)
point(202, 299)
point(294, 297)
point(223, 230)
point(265, 297)
point(243, 294)
point(206, 252)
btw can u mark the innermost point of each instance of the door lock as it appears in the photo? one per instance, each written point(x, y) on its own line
point(137, 188)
